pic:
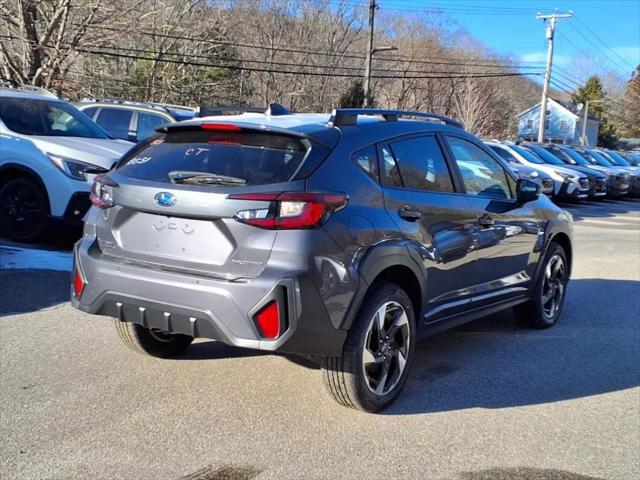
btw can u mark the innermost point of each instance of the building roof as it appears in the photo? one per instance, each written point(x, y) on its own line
point(569, 107)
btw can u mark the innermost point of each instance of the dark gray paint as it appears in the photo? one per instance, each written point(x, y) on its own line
point(221, 272)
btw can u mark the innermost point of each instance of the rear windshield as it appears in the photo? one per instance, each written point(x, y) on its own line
point(252, 158)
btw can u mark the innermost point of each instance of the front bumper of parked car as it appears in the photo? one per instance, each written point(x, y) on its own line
point(575, 190)
point(619, 185)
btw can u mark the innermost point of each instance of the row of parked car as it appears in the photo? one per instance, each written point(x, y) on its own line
point(567, 172)
point(52, 150)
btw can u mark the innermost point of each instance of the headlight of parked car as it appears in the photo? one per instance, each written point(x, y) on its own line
point(568, 176)
point(72, 168)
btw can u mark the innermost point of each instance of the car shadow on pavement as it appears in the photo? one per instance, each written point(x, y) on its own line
point(24, 291)
point(496, 363)
point(204, 349)
point(606, 208)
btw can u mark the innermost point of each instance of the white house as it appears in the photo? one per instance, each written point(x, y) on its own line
point(563, 124)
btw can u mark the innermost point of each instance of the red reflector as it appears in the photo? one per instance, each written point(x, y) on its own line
point(268, 320)
point(78, 283)
point(221, 127)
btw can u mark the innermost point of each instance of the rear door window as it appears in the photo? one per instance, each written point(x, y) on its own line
point(147, 124)
point(235, 158)
point(116, 121)
point(420, 165)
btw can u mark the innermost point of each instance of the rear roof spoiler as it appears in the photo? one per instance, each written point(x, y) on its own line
point(274, 109)
point(342, 117)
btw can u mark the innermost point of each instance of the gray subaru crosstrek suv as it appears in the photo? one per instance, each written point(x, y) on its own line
point(340, 237)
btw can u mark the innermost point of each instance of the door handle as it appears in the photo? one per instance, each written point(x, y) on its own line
point(409, 214)
point(486, 221)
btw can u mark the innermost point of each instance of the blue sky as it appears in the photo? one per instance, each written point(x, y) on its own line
point(510, 26)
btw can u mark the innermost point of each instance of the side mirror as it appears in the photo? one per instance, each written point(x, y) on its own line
point(527, 191)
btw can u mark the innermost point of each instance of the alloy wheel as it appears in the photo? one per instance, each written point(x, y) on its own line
point(553, 286)
point(24, 210)
point(386, 348)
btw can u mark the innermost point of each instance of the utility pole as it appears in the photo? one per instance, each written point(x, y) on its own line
point(367, 66)
point(551, 28)
point(585, 118)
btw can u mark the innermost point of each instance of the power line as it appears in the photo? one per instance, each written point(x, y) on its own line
point(560, 87)
point(449, 75)
point(447, 61)
point(603, 43)
point(240, 61)
point(158, 56)
point(597, 48)
point(457, 9)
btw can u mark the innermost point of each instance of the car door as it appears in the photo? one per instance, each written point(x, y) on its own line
point(420, 195)
point(118, 122)
point(508, 232)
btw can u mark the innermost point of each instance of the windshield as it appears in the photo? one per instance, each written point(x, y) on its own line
point(618, 159)
point(600, 159)
point(215, 157)
point(52, 118)
point(575, 156)
point(526, 154)
point(546, 156)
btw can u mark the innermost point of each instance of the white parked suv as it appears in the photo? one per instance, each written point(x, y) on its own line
point(567, 183)
point(49, 154)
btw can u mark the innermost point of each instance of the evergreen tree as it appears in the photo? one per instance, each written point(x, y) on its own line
point(593, 91)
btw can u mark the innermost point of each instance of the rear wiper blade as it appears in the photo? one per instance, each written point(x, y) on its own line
point(204, 178)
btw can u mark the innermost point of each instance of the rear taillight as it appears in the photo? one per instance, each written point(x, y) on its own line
point(289, 210)
point(102, 191)
point(78, 282)
point(268, 320)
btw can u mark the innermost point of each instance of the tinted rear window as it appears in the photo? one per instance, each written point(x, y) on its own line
point(116, 121)
point(257, 158)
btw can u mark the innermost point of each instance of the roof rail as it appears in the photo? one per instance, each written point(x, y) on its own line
point(8, 83)
point(342, 117)
point(156, 106)
point(274, 109)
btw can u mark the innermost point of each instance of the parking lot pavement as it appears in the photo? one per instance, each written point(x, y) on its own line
point(608, 214)
point(490, 400)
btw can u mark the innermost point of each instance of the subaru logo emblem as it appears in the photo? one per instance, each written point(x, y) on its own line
point(165, 199)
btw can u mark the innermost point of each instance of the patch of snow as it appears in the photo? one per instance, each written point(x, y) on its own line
point(34, 259)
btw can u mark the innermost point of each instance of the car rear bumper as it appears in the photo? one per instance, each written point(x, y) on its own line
point(207, 307)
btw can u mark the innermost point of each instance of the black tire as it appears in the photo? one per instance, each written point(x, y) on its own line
point(537, 313)
point(346, 377)
point(24, 209)
point(155, 343)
